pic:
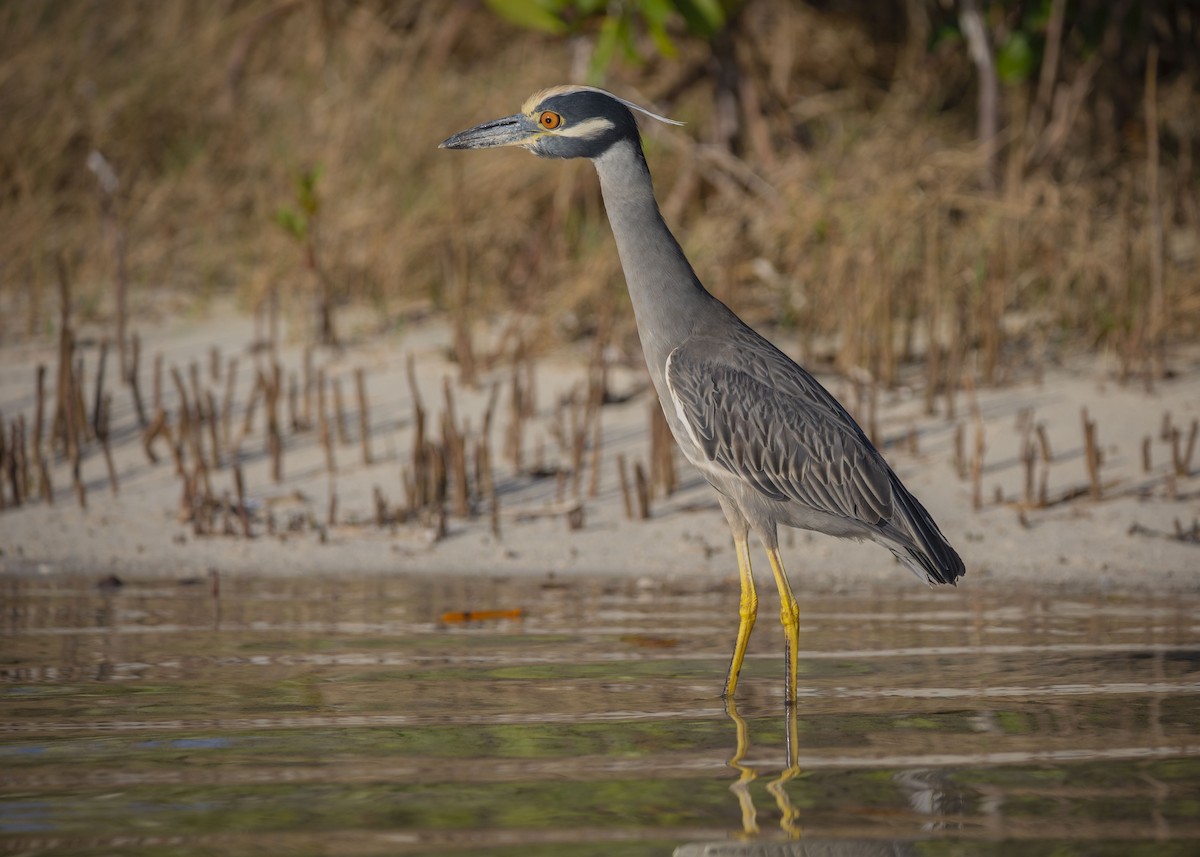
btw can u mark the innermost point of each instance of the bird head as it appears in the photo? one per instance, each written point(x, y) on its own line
point(563, 122)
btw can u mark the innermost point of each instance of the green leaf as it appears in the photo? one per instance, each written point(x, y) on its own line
point(606, 46)
point(657, 13)
point(532, 14)
point(1014, 60)
point(306, 190)
point(703, 17)
point(625, 38)
point(291, 223)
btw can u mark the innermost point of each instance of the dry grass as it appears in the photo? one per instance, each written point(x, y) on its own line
point(854, 216)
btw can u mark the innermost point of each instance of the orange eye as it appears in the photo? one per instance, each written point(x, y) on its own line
point(549, 120)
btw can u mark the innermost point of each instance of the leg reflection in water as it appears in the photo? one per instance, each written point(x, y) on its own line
point(789, 816)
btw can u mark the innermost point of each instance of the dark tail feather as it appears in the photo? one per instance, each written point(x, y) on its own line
point(926, 550)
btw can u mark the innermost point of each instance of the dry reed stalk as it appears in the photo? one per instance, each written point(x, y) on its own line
point(956, 353)
point(1046, 457)
point(231, 372)
point(83, 426)
point(151, 434)
point(293, 394)
point(12, 461)
point(4, 456)
point(381, 513)
point(331, 509)
point(489, 411)
point(214, 429)
point(274, 441)
point(960, 451)
point(197, 395)
point(529, 384)
point(63, 434)
point(227, 528)
point(410, 489)
point(157, 382)
point(188, 418)
point(133, 379)
point(200, 467)
point(1029, 461)
point(623, 478)
point(539, 458)
point(23, 460)
point(454, 445)
point(993, 302)
point(39, 454)
point(185, 413)
point(1156, 321)
point(98, 393)
point(1147, 463)
point(324, 435)
point(579, 436)
point(662, 453)
point(484, 444)
point(364, 416)
point(77, 480)
point(597, 454)
point(239, 486)
point(306, 414)
point(186, 503)
point(514, 434)
point(1164, 431)
point(884, 323)
point(59, 427)
point(932, 303)
point(199, 501)
point(339, 412)
point(464, 345)
point(437, 488)
point(71, 419)
point(1181, 454)
point(487, 482)
point(560, 486)
point(968, 382)
point(1091, 454)
point(420, 475)
point(597, 371)
point(558, 425)
point(643, 491)
point(102, 434)
point(977, 467)
point(257, 392)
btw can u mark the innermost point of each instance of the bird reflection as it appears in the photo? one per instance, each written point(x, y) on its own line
point(788, 815)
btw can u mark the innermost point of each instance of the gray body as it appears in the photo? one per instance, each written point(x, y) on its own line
point(778, 448)
point(776, 445)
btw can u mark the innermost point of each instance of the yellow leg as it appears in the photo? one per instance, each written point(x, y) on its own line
point(747, 611)
point(789, 615)
point(747, 774)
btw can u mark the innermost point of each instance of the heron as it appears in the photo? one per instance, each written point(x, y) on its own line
point(776, 445)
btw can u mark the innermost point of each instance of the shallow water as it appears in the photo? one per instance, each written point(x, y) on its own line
point(341, 715)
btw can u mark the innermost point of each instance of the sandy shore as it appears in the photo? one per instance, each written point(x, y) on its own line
point(1128, 538)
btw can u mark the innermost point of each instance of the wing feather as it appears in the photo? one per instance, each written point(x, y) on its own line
point(770, 424)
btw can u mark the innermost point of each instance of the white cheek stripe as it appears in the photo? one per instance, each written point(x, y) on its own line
point(584, 130)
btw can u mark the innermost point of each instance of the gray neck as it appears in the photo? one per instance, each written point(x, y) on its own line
point(664, 290)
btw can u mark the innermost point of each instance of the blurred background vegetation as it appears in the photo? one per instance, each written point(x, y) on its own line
point(976, 185)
